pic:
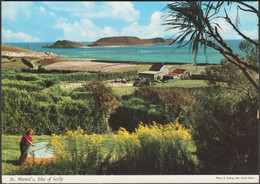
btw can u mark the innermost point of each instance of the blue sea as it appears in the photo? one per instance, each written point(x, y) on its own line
point(162, 53)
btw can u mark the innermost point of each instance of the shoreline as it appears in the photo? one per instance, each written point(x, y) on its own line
point(10, 52)
point(140, 62)
point(115, 46)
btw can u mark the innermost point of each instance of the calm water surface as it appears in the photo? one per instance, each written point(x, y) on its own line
point(163, 53)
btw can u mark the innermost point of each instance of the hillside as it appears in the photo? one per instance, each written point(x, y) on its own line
point(130, 41)
point(12, 51)
point(65, 44)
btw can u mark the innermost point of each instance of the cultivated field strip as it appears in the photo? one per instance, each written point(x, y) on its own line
point(87, 66)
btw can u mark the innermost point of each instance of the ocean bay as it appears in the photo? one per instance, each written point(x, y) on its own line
point(162, 53)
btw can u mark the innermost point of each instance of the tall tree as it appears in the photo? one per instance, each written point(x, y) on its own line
point(195, 20)
point(227, 75)
point(105, 97)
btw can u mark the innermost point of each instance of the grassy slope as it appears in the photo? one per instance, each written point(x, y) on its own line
point(17, 65)
point(10, 48)
point(120, 91)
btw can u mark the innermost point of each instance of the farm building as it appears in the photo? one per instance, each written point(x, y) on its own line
point(179, 71)
point(175, 75)
point(157, 71)
point(170, 76)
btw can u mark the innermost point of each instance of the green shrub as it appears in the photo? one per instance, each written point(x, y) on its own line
point(80, 95)
point(226, 132)
point(137, 113)
point(82, 76)
point(27, 77)
point(47, 113)
point(23, 85)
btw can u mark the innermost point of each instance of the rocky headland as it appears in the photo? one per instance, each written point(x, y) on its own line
point(63, 44)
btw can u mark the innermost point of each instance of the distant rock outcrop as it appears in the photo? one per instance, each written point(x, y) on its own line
point(61, 44)
point(130, 41)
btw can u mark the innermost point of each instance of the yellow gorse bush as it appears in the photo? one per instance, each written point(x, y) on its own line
point(155, 148)
point(164, 148)
point(170, 131)
point(157, 131)
point(178, 131)
point(75, 143)
point(58, 145)
point(125, 142)
point(152, 132)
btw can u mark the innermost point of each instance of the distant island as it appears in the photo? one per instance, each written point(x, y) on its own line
point(65, 44)
point(115, 41)
point(130, 41)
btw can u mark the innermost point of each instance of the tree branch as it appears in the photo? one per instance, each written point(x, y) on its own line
point(240, 65)
point(234, 55)
point(241, 34)
point(250, 7)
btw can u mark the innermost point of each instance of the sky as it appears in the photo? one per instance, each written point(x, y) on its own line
point(49, 21)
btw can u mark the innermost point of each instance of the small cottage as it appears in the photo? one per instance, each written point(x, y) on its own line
point(175, 75)
point(170, 76)
point(157, 71)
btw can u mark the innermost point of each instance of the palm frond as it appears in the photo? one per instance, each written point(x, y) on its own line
point(190, 18)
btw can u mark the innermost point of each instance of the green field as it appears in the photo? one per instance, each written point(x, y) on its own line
point(183, 84)
point(128, 90)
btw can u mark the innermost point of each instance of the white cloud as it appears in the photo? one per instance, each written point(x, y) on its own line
point(253, 34)
point(123, 10)
point(9, 36)
point(83, 30)
point(248, 24)
point(225, 26)
point(13, 10)
point(153, 29)
point(117, 10)
point(70, 6)
point(109, 31)
point(228, 33)
point(41, 9)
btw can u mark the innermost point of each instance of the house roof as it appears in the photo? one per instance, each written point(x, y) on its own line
point(156, 67)
point(178, 71)
point(171, 75)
